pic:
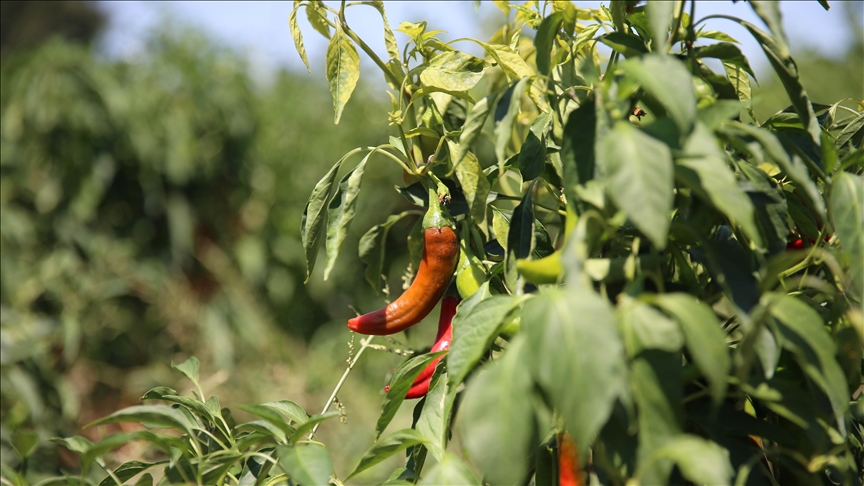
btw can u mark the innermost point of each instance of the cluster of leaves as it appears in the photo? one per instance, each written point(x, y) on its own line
point(199, 443)
point(701, 317)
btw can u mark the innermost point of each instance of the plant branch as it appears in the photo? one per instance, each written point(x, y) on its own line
point(363, 345)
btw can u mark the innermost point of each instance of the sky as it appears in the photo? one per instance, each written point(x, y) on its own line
point(260, 29)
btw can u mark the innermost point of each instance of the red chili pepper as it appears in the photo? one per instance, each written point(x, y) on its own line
point(568, 461)
point(440, 254)
point(442, 343)
point(795, 245)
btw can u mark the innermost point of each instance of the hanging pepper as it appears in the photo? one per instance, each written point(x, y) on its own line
point(442, 343)
point(440, 254)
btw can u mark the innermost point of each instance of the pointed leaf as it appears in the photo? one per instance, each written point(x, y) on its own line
point(297, 35)
point(700, 461)
point(399, 386)
point(450, 470)
point(545, 39)
point(313, 216)
point(640, 173)
point(474, 183)
point(340, 212)
point(847, 214)
point(573, 340)
point(453, 71)
point(704, 169)
point(510, 106)
point(500, 394)
point(343, 70)
point(668, 80)
point(474, 331)
point(705, 339)
point(306, 463)
point(384, 448)
point(189, 368)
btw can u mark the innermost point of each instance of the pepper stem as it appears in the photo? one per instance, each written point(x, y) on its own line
point(437, 216)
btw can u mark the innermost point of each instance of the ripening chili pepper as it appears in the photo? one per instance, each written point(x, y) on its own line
point(440, 254)
point(442, 343)
point(568, 461)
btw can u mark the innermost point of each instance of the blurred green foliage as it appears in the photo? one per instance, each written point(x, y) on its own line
point(151, 210)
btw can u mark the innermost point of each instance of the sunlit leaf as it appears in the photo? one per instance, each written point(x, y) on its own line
point(573, 339)
point(474, 330)
point(453, 71)
point(640, 173)
point(306, 463)
point(668, 80)
point(343, 70)
point(847, 214)
point(340, 212)
point(500, 394)
point(396, 442)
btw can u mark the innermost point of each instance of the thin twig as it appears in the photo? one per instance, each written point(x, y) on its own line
point(363, 345)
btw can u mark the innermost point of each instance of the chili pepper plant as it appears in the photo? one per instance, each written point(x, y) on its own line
point(656, 286)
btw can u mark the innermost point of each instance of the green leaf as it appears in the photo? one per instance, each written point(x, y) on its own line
point(340, 212)
point(511, 101)
point(472, 127)
point(76, 444)
point(384, 448)
point(804, 334)
point(372, 248)
point(659, 16)
point(532, 157)
point(343, 70)
point(700, 461)
point(794, 167)
point(474, 329)
point(189, 368)
point(317, 16)
point(545, 39)
point(271, 416)
point(628, 45)
point(289, 409)
point(769, 12)
point(668, 80)
point(705, 339)
point(578, 146)
point(509, 61)
point(728, 53)
point(313, 216)
point(777, 52)
point(847, 215)
point(150, 415)
point(195, 406)
point(158, 392)
point(474, 183)
point(399, 386)
point(306, 463)
point(703, 168)
point(127, 471)
point(450, 470)
point(453, 71)
point(24, 441)
point(434, 420)
point(572, 339)
point(640, 173)
point(657, 390)
point(298, 37)
point(165, 443)
point(740, 81)
point(713, 115)
point(520, 237)
point(310, 424)
point(644, 327)
point(389, 39)
point(500, 394)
